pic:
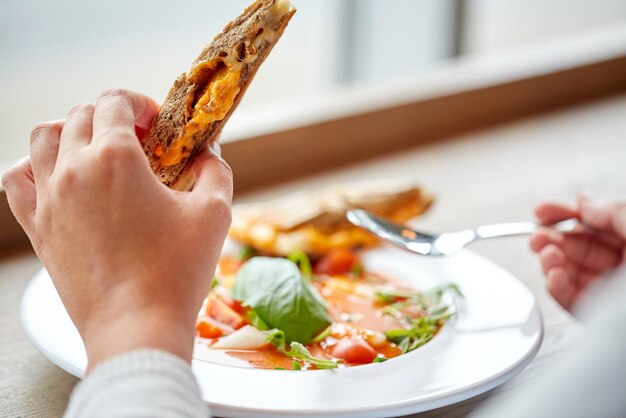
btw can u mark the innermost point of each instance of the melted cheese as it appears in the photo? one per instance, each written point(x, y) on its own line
point(219, 95)
point(213, 105)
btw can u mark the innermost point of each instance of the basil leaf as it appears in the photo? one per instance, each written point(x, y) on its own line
point(256, 321)
point(274, 288)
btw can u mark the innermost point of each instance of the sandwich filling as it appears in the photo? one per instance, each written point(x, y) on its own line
point(214, 102)
point(217, 85)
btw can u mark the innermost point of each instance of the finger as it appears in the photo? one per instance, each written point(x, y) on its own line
point(600, 217)
point(120, 112)
point(561, 287)
point(551, 256)
point(583, 248)
point(549, 213)
point(213, 176)
point(590, 253)
point(543, 237)
point(77, 130)
point(44, 149)
point(19, 185)
point(596, 213)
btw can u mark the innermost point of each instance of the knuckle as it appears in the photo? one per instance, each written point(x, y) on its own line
point(40, 130)
point(114, 93)
point(220, 208)
point(80, 108)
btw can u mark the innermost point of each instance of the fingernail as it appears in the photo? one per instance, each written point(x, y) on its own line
point(217, 149)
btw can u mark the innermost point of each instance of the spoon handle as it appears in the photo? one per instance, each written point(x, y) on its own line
point(520, 228)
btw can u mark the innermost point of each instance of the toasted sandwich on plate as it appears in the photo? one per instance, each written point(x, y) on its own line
point(315, 221)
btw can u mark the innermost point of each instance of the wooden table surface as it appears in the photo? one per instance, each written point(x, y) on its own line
point(492, 175)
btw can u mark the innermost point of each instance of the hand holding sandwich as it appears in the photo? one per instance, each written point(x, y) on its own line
point(130, 258)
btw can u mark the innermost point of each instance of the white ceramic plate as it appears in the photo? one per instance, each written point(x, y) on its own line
point(497, 332)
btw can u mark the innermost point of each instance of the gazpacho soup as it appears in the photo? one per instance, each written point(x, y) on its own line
point(294, 313)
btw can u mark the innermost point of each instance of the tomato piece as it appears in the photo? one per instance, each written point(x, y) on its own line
point(233, 304)
point(207, 330)
point(221, 312)
point(338, 261)
point(354, 351)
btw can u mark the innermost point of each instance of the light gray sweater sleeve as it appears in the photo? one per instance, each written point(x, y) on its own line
point(141, 383)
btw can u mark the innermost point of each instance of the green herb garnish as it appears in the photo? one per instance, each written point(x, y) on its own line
point(256, 321)
point(418, 331)
point(356, 269)
point(379, 359)
point(301, 259)
point(296, 365)
point(274, 288)
point(322, 335)
point(214, 283)
point(395, 295)
point(297, 350)
point(247, 253)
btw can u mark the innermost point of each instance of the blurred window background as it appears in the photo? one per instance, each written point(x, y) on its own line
point(55, 53)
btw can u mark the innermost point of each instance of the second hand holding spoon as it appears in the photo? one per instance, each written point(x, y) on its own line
point(446, 243)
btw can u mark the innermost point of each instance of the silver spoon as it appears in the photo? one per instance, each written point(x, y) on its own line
point(449, 242)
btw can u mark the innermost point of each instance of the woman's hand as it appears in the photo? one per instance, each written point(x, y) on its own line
point(131, 259)
point(571, 261)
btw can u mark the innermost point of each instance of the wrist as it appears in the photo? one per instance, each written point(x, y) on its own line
point(110, 336)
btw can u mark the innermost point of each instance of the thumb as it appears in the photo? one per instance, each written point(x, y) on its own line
point(603, 216)
point(213, 175)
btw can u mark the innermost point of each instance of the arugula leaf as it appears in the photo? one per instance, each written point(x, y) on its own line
point(301, 259)
point(214, 283)
point(274, 288)
point(394, 295)
point(419, 330)
point(277, 337)
point(322, 335)
point(247, 253)
point(439, 291)
point(296, 365)
point(299, 351)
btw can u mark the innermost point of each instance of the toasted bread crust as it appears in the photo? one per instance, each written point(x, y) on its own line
point(234, 42)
